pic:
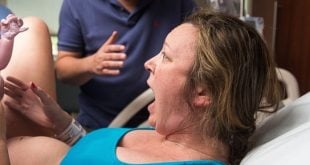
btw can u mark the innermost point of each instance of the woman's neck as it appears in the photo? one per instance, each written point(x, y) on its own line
point(208, 148)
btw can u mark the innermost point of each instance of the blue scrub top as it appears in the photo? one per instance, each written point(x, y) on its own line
point(99, 147)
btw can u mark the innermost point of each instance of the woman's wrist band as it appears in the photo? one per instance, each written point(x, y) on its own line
point(72, 133)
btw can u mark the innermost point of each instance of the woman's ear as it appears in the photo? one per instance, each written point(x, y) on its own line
point(201, 97)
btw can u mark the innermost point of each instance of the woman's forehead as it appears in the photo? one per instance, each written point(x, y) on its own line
point(183, 37)
point(184, 30)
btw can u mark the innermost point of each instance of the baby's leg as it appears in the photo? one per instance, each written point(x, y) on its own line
point(31, 61)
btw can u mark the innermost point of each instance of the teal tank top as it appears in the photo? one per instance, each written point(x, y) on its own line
point(99, 147)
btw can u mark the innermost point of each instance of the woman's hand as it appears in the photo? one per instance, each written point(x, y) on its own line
point(35, 104)
point(11, 26)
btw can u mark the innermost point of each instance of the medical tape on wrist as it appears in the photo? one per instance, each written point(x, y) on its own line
point(72, 133)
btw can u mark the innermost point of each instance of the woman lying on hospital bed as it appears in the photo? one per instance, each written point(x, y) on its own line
point(208, 80)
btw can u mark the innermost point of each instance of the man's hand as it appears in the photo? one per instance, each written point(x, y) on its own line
point(109, 58)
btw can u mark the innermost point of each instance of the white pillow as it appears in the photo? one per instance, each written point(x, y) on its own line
point(284, 138)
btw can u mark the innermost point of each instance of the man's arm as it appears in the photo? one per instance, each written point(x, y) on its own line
point(72, 69)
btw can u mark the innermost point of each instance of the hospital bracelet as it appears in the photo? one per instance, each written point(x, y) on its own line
point(72, 133)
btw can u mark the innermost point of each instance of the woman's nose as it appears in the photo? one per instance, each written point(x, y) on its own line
point(149, 65)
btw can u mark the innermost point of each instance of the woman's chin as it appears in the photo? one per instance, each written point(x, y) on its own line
point(151, 119)
point(150, 107)
point(151, 122)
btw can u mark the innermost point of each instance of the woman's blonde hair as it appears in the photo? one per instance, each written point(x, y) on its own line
point(234, 65)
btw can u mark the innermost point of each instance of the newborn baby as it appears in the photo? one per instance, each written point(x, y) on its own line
point(9, 28)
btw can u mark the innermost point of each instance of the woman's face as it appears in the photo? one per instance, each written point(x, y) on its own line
point(168, 74)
